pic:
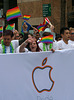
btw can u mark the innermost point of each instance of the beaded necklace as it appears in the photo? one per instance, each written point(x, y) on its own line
point(50, 46)
point(4, 47)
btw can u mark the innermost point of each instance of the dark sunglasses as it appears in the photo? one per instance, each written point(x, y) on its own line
point(72, 33)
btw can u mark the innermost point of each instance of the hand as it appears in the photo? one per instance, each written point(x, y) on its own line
point(52, 28)
point(35, 30)
point(25, 26)
point(29, 40)
point(15, 32)
point(52, 50)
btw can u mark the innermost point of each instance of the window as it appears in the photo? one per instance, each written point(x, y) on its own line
point(72, 2)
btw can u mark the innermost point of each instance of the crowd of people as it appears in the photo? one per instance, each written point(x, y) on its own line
point(13, 42)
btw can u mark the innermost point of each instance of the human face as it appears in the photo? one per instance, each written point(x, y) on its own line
point(20, 37)
point(37, 36)
point(46, 34)
point(66, 35)
point(7, 40)
point(33, 46)
point(72, 35)
point(17, 36)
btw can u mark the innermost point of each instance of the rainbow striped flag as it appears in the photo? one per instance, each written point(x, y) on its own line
point(12, 25)
point(26, 17)
point(46, 39)
point(41, 27)
point(13, 13)
point(46, 21)
point(1, 29)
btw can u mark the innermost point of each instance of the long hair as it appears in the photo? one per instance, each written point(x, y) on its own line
point(38, 48)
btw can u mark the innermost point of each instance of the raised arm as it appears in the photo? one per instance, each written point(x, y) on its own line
point(24, 44)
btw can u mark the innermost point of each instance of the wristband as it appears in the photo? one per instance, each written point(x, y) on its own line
point(25, 43)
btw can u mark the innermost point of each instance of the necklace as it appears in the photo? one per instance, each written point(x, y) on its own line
point(4, 47)
point(50, 47)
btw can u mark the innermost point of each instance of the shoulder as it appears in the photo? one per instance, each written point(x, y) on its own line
point(71, 42)
point(0, 48)
point(40, 44)
point(60, 41)
point(15, 41)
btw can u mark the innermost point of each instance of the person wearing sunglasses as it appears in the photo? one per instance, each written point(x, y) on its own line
point(71, 36)
point(48, 46)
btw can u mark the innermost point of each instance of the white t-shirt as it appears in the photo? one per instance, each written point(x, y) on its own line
point(63, 45)
point(15, 44)
point(55, 47)
point(71, 42)
point(17, 50)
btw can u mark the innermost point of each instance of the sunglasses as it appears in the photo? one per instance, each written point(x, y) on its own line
point(72, 33)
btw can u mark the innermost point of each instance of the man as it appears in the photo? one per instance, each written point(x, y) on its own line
point(63, 44)
point(47, 46)
point(7, 44)
point(37, 36)
point(71, 36)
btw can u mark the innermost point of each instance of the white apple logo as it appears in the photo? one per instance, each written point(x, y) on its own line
point(41, 77)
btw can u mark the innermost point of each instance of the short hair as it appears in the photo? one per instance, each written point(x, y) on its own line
point(63, 29)
point(58, 36)
point(8, 32)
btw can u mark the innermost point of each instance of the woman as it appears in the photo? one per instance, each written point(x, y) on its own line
point(33, 46)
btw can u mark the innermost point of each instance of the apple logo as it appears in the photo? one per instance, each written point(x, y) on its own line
point(41, 77)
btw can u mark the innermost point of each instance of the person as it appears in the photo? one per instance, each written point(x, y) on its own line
point(7, 44)
point(58, 37)
point(33, 45)
point(71, 36)
point(20, 36)
point(16, 35)
point(37, 36)
point(47, 46)
point(63, 44)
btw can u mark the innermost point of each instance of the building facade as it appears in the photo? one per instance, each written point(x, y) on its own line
point(35, 9)
point(62, 12)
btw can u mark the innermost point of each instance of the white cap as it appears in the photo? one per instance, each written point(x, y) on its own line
point(48, 30)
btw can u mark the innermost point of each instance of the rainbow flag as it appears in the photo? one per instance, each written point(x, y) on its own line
point(46, 39)
point(41, 27)
point(46, 21)
point(12, 25)
point(13, 13)
point(26, 17)
point(1, 29)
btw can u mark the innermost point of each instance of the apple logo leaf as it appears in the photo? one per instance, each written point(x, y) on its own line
point(44, 61)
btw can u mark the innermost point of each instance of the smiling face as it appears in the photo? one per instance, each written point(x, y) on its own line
point(33, 46)
point(7, 40)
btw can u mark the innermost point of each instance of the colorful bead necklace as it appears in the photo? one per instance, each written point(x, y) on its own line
point(50, 47)
point(4, 47)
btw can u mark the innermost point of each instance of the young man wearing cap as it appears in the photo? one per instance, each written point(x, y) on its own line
point(47, 46)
